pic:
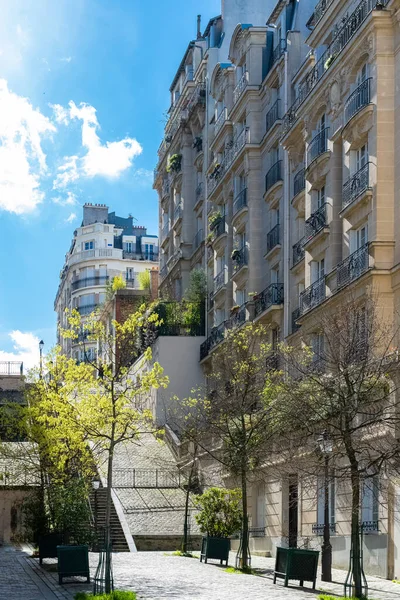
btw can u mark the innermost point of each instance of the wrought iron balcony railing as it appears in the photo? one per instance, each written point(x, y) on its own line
point(198, 239)
point(278, 51)
point(240, 259)
point(273, 175)
point(353, 266)
point(230, 154)
point(240, 201)
point(315, 223)
point(86, 309)
point(312, 296)
point(199, 191)
point(318, 528)
point(221, 120)
point(318, 145)
point(273, 237)
point(163, 272)
point(356, 185)
point(238, 317)
point(241, 86)
point(295, 317)
point(357, 100)
point(273, 115)
point(217, 335)
point(178, 212)
point(343, 34)
point(320, 10)
point(298, 252)
point(89, 282)
point(219, 227)
point(219, 281)
point(166, 187)
point(11, 368)
point(165, 231)
point(273, 294)
point(370, 526)
point(299, 182)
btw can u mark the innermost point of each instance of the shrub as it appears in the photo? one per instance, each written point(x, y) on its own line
point(144, 280)
point(116, 595)
point(220, 512)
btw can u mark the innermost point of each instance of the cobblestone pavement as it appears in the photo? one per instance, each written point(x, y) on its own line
point(160, 576)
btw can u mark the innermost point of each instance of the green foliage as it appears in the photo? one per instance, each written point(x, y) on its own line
point(36, 519)
point(113, 285)
point(214, 217)
point(197, 288)
point(220, 513)
point(70, 510)
point(174, 163)
point(116, 595)
point(185, 554)
point(144, 280)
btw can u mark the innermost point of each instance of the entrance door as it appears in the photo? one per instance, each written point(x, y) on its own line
point(293, 510)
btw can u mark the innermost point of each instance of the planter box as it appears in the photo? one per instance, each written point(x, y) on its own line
point(293, 563)
point(48, 545)
point(73, 561)
point(215, 548)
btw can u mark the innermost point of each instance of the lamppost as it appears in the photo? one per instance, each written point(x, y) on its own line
point(41, 344)
point(325, 446)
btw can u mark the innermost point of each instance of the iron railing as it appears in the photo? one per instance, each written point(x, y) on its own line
point(273, 115)
point(146, 478)
point(278, 51)
point(272, 295)
point(298, 252)
point(238, 318)
point(199, 191)
point(356, 185)
point(152, 256)
point(318, 145)
point(89, 282)
point(318, 528)
point(230, 154)
point(240, 259)
point(357, 100)
point(299, 182)
point(240, 201)
point(18, 476)
point(353, 266)
point(178, 212)
point(11, 368)
point(312, 296)
point(217, 335)
point(198, 239)
point(273, 175)
point(219, 227)
point(165, 231)
point(166, 187)
point(370, 526)
point(219, 281)
point(163, 272)
point(241, 86)
point(295, 317)
point(86, 309)
point(341, 36)
point(257, 532)
point(220, 120)
point(315, 223)
point(320, 10)
point(273, 237)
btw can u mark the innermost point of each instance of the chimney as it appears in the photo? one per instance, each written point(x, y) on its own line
point(154, 283)
point(199, 36)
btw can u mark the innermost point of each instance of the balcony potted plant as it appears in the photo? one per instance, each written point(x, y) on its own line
point(219, 517)
point(235, 309)
point(235, 254)
point(174, 163)
point(209, 240)
point(329, 61)
point(198, 143)
point(216, 171)
point(214, 218)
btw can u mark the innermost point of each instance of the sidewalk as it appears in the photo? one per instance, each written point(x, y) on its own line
point(160, 576)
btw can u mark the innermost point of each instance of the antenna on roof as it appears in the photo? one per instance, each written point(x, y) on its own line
point(199, 36)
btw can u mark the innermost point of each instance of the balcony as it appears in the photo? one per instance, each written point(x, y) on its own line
point(353, 266)
point(240, 201)
point(218, 227)
point(238, 317)
point(217, 335)
point(298, 252)
point(295, 317)
point(357, 100)
point(86, 309)
point(315, 223)
point(318, 528)
point(317, 146)
point(273, 115)
point(273, 237)
point(278, 51)
point(241, 86)
point(272, 295)
point(200, 192)
point(312, 296)
point(166, 187)
point(240, 259)
point(151, 256)
point(344, 34)
point(219, 281)
point(98, 253)
point(178, 212)
point(299, 182)
point(230, 154)
point(222, 117)
point(273, 175)
point(88, 282)
point(320, 10)
point(165, 231)
point(210, 301)
point(198, 239)
point(11, 368)
point(163, 272)
point(356, 185)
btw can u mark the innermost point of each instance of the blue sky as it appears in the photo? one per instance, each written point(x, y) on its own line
point(83, 96)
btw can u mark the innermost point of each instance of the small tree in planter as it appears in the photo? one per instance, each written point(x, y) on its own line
point(220, 516)
point(174, 163)
point(214, 218)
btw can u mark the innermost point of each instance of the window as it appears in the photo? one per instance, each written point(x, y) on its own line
point(320, 197)
point(362, 75)
point(358, 238)
point(321, 500)
point(241, 296)
point(219, 316)
point(129, 247)
point(370, 503)
point(275, 274)
point(317, 270)
point(321, 123)
point(361, 157)
point(317, 347)
point(130, 274)
point(89, 245)
point(259, 516)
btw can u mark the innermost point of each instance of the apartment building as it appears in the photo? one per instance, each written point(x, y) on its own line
point(104, 246)
point(285, 181)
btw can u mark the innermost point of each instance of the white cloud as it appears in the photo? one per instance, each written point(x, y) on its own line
point(110, 159)
point(70, 200)
point(66, 59)
point(22, 160)
point(26, 349)
point(72, 217)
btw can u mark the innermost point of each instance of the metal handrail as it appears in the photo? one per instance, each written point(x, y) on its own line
point(89, 282)
point(220, 120)
point(315, 222)
point(357, 100)
point(356, 185)
point(219, 281)
point(273, 175)
point(272, 115)
point(353, 266)
point(12, 367)
point(299, 182)
point(298, 251)
point(240, 260)
point(240, 201)
point(273, 237)
point(318, 145)
point(273, 294)
point(241, 86)
point(278, 51)
point(313, 295)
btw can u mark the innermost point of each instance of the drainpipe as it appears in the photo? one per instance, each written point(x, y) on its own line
point(205, 219)
point(286, 227)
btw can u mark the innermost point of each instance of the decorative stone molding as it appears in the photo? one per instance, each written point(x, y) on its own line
point(357, 128)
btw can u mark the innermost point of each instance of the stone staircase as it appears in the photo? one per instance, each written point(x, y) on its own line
point(98, 505)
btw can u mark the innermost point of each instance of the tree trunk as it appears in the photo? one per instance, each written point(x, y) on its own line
point(107, 576)
point(355, 532)
point(186, 521)
point(245, 527)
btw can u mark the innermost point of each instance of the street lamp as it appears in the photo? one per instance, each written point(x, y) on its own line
point(326, 447)
point(41, 344)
